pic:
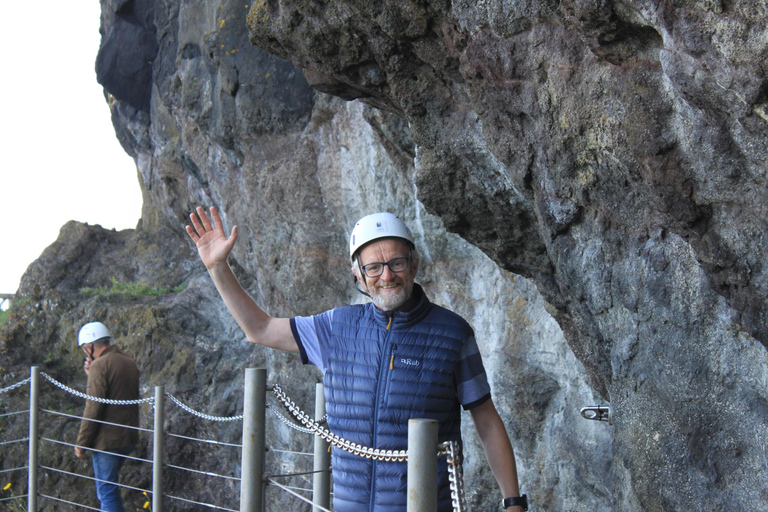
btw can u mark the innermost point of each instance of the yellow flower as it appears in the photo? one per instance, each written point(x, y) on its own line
point(146, 505)
point(144, 493)
point(7, 486)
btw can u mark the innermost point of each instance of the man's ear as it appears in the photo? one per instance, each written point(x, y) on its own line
point(357, 280)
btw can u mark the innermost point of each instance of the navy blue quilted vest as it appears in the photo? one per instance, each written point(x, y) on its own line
point(384, 368)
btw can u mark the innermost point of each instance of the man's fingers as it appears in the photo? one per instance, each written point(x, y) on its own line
point(201, 224)
point(191, 233)
point(216, 219)
point(199, 229)
point(204, 219)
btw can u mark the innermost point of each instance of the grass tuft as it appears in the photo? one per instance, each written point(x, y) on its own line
point(120, 288)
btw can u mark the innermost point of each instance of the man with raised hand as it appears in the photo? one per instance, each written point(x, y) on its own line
point(385, 362)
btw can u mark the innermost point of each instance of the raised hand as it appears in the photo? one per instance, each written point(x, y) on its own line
point(213, 246)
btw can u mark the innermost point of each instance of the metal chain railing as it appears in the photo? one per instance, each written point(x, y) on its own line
point(335, 439)
point(14, 386)
point(203, 415)
point(452, 451)
point(109, 401)
point(175, 400)
point(449, 449)
point(292, 424)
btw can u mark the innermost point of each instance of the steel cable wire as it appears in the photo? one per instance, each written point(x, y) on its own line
point(57, 413)
point(15, 413)
point(200, 503)
point(289, 491)
point(93, 479)
point(60, 500)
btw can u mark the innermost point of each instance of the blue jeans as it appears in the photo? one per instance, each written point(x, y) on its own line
point(106, 467)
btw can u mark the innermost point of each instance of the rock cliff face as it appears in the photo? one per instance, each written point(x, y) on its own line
point(586, 180)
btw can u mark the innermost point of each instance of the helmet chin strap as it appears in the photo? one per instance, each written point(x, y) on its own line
point(358, 286)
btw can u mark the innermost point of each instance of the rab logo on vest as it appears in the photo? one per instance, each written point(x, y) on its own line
point(415, 363)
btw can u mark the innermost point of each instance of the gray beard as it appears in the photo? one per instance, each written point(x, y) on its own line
point(392, 301)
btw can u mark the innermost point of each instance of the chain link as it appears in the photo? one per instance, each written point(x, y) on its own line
point(455, 474)
point(131, 402)
point(96, 398)
point(14, 386)
point(288, 422)
point(334, 439)
point(202, 415)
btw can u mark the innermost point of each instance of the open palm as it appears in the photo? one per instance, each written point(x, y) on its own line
point(212, 244)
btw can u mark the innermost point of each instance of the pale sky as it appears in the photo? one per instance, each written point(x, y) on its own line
point(61, 159)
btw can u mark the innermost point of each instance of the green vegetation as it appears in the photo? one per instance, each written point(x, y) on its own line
point(4, 316)
point(120, 288)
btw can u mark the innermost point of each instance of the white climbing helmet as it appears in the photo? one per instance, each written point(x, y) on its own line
point(92, 332)
point(375, 226)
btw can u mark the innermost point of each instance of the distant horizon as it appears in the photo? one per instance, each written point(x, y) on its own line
point(62, 159)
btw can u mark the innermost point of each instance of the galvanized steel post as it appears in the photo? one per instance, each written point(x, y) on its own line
point(254, 413)
point(422, 465)
point(158, 447)
point(321, 483)
point(34, 422)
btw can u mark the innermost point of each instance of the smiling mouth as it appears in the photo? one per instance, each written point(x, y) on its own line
point(388, 287)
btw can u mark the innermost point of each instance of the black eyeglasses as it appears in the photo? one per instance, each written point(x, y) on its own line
point(395, 265)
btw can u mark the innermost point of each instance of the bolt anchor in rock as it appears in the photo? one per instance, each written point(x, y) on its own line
point(598, 413)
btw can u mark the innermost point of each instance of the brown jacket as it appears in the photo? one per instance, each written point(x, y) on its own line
point(112, 375)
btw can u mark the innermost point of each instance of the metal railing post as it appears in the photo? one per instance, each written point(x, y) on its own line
point(254, 413)
point(422, 465)
point(321, 482)
point(34, 422)
point(158, 448)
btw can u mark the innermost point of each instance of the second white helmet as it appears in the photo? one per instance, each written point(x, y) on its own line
point(92, 332)
point(375, 226)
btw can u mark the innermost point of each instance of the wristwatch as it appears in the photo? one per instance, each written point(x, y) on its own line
point(518, 501)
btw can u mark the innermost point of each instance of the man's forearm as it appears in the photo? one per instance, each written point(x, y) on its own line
point(501, 459)
point(498, 449)
point(258, 326)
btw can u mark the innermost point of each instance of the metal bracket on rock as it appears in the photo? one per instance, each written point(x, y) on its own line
point(598, 413)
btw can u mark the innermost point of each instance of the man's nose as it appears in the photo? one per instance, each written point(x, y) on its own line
point(387, 274)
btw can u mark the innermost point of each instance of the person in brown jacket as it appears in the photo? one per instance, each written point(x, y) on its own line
point(112, 375)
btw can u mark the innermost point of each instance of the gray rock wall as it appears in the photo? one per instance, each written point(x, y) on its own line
point(587, 183)
point(614, 153)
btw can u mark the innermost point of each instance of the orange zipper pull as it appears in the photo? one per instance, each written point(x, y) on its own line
point(392, 362)
point(389, 323)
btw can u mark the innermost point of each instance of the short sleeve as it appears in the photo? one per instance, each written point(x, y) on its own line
point(311, 334)
point(471, 380)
